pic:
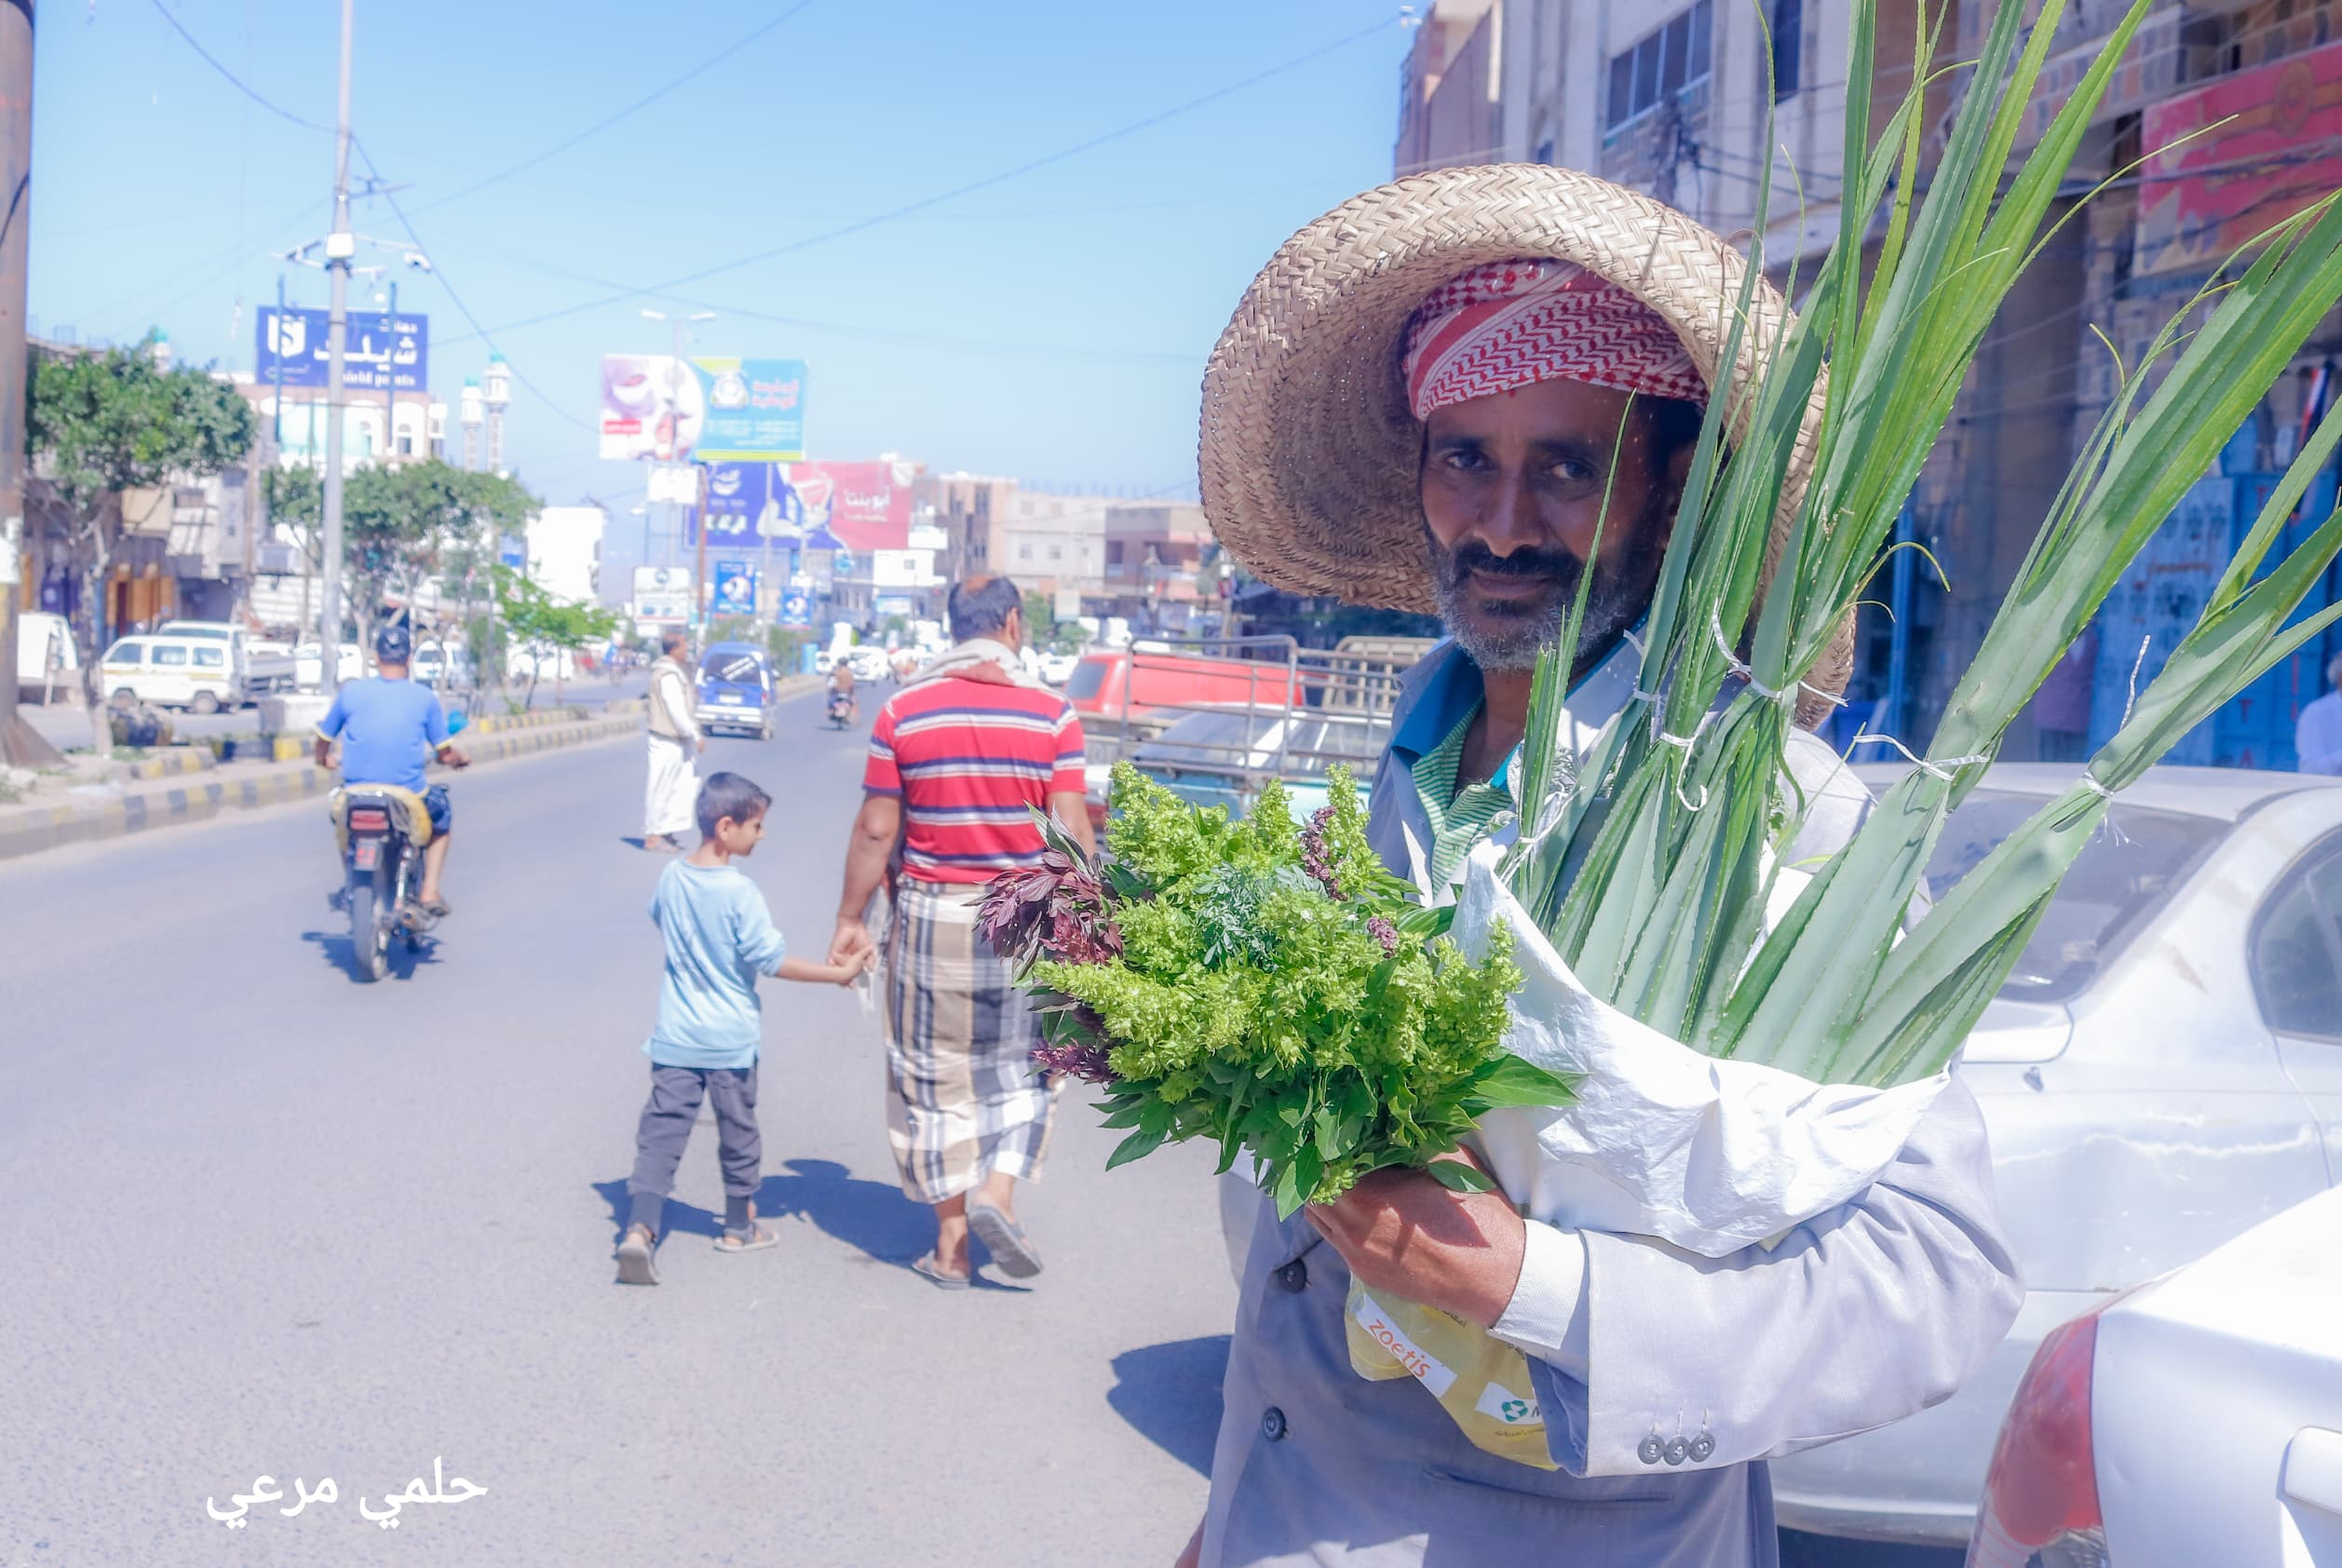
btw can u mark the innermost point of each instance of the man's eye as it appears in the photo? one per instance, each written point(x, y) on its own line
point(1462, 459)
point(1569, 470)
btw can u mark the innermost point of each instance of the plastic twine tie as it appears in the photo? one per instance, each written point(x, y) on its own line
point(1946, 769)
point(1734, 663)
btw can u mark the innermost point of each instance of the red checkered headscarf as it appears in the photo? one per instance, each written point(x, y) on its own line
point(1513, 324)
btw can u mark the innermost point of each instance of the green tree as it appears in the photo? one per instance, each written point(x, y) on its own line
point(544, 625)
point(97, 424)
point(403, 525)
point(1040, 618)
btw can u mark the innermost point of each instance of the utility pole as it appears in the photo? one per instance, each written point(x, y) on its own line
point(340, 246)
point(20, 745)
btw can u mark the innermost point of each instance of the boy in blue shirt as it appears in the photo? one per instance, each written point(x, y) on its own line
point(721, 940)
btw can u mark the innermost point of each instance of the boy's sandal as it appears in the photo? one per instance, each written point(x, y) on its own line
point(754, 1239)
point(925, 1265)
point(634, 1258)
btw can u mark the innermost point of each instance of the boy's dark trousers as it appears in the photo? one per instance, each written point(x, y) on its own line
point(666, 1128)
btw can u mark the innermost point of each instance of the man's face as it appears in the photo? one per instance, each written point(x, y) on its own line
point(1512, 496)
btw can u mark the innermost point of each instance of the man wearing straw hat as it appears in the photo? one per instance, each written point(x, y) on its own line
point(1430, 400)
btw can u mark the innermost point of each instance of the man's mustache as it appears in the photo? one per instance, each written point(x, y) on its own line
point(1558, 566)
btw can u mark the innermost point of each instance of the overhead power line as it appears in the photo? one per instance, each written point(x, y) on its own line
point(907, 208)
point(238, 83)
point(608, 120)
point(383, 189)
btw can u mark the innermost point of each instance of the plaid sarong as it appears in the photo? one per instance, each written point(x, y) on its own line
point(964, 1097)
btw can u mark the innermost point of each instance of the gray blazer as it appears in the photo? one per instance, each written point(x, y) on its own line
point(1696, 1367)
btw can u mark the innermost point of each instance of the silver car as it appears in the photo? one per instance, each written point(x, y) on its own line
point(2162, 1071)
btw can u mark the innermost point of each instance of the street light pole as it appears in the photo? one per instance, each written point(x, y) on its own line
point(20, 745)
point(675, 373)
point(340, 246)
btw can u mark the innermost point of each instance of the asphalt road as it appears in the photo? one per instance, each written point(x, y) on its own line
point(276, 1223)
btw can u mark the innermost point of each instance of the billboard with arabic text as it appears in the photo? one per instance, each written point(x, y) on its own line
point(667, 409)
point(380, 352)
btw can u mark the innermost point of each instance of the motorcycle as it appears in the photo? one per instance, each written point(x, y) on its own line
point(841, 709)
point(381, 871)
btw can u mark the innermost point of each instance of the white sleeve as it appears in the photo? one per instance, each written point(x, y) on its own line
point(1546, 1317)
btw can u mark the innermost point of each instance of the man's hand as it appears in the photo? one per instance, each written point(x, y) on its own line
point(453, 758)
point(324, 751)
point(853, 945)
point(703, 745)
point(1402, 1232)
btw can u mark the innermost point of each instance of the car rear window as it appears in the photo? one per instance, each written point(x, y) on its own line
point(1089, 679)
point(2124, 874)
point(728, 667)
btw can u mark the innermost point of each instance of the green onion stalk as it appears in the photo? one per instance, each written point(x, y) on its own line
point(1650, 864)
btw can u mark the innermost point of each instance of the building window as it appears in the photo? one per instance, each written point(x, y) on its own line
point(1663, 63)
point(1056, 552)
point(1789, 47)
point(1025, 552)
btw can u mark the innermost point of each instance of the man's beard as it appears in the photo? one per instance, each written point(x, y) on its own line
point(1501, 639)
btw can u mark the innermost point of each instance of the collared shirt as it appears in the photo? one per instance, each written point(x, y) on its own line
point(1459, 818)
point(972, 758)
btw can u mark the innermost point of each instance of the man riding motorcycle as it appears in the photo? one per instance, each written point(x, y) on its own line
point(842, 687)
point(387, 725)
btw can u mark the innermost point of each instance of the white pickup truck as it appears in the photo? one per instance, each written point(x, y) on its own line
point(261, 667)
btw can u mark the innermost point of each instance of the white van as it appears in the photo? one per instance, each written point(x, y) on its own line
point(45, 657)
point(192, 672)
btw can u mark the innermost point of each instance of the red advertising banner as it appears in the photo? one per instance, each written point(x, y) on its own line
point(864, 505)
point(2274, 155)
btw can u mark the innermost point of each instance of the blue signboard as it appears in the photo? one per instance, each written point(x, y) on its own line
point(513, 552)
point(752, 505)
point(379, 352)
point(796, 608)
point(735, 589)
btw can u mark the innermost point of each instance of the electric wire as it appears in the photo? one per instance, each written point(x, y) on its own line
point(969, 188)
point(607, 121)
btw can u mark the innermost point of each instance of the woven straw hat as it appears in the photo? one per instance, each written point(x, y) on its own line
point(1309, 449)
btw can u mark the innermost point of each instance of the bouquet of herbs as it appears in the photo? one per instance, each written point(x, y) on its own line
point(1272, 988)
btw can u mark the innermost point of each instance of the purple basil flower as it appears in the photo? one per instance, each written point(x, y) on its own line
point(1313, 855)
point(1085, 1060)
point(1383, 932)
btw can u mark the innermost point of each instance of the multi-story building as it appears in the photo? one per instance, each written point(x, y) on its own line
point(1049, 543)
point(1154, 562)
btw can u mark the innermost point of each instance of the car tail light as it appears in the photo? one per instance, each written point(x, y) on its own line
point(363, 821)
point(2040, 1505)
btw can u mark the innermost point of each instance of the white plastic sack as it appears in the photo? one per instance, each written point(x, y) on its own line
point(1709, 1154)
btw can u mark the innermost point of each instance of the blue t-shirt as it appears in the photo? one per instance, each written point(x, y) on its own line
point(388, 729)
point(721, 940)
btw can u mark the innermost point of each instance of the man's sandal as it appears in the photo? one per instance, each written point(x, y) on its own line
point(754, 1239)
point(1006, 1241)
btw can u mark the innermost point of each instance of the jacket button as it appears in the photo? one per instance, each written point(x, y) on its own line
point(1273, 1424)
point(1651, 1450)
point(1704, 1448)
point(1294, 1275)
point(1677, 1451)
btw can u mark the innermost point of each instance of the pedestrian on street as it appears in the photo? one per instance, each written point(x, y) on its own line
point(959, 760)
point(675, 739)
point(1468, 392)
point(721, 940)
point(2318, 733)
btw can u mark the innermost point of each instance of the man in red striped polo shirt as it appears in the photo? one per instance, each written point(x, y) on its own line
point(959, 759)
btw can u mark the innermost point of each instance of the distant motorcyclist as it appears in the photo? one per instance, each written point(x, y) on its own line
point(387, 726)
point(842, 685)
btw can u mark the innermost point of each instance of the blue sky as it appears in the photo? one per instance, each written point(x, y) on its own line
point(1052, 325)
